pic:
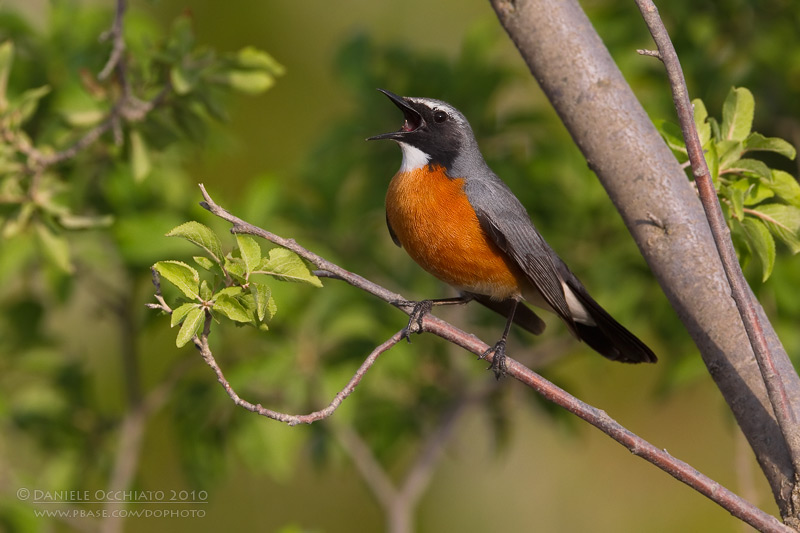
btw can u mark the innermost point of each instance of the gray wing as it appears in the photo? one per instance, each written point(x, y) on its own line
point(506, 221)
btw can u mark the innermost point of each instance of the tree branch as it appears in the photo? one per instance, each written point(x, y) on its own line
point(431, 324)
point(127, 107)
point(201, 342)
point(116, 36)
point(646, 183)
point(778, 395)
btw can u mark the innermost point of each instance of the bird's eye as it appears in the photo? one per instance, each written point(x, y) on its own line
point(439, 117)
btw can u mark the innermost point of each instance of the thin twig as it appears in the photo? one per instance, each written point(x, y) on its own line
point(201, 342)
point(680, 470)
point(398, 500)
point(116, 36)
point(778, 396)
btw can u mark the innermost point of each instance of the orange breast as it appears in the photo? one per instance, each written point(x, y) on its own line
point(435, 223)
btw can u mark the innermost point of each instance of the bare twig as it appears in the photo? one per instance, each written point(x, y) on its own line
point(779, 398)
point(201, 342)
point(162, 304)
point(117, 41)
point(399, 499)
point(127, 108)
point(652, 53)
point(431, 324)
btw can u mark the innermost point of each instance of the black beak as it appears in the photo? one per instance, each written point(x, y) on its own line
point(413, 120)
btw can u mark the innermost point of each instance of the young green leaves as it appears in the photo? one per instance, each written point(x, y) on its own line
point(760, 203)
point(237, 289)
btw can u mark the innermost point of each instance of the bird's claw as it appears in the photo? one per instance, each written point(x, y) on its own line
point(498, 359)
point(418, 312)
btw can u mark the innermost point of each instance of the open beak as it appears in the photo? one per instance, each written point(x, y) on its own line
point(413, 120)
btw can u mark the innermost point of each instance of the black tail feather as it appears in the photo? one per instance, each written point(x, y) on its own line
point(608, 337)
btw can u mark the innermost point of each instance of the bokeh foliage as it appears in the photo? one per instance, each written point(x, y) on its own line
point(76, 254)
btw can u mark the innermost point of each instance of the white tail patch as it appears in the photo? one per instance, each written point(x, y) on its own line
point(413, 158)
point(576, 308)
point(579, 312)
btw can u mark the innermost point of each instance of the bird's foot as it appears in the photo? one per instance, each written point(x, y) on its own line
point(498, 359)
point(418, 312)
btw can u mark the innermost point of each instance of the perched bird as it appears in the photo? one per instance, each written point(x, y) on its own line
point(462, 224)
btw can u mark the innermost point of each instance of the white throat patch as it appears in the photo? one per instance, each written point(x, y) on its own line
point(413, 158)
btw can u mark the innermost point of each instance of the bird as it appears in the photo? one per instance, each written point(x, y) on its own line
point(461, 223)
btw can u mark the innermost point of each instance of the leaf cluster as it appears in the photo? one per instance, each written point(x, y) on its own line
point(761, 204)
point(129, 123)
point(236, 289)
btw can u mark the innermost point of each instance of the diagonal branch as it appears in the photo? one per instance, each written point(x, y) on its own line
point(660, 208)
point(776, 389)
point(637, 445)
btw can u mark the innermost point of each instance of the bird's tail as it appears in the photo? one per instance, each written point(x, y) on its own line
point(606, 336)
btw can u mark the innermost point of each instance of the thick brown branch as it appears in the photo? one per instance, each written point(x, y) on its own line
point(431, 324)
point(644, 180)
point(776, 388)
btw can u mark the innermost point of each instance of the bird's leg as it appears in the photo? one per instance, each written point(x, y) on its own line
point(422, 308)
point(499, 349)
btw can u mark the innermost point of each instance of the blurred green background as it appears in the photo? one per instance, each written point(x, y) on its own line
point(78, 350)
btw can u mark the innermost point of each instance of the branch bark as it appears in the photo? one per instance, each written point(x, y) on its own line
point(431, 324)
point(661, 210)
point(768, 361)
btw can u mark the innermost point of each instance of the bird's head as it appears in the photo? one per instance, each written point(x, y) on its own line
point(433, 132)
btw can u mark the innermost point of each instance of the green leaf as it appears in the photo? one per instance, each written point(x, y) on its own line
point(205, 291)
point(761, 244)
point(234, 291)
point(785, 186)
point(18, 222)
point(231, 308)
point(73, 221)
point(253, 58)
point(712, 160)
point(249, 81)
point(783, 221)
point(756, 141)
point(204, 262)
point(84, 118)
point(736, 197)
point(716, 134)
point(181, 275)
point(6, 60)
point(139, 157)
point(202, 236)
point(700, 122)
point(729, 153)
point(750, 167)
point(672, 135)
point(192, 325)
point(737, 114)
point(181, 39)
point(29, 102)
point(236, 269)
point(250, 251)
point(756, 193)
point(265, 305)
point(55, 248)
point(180, 80)
point(285, 265)
point(180, 312)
